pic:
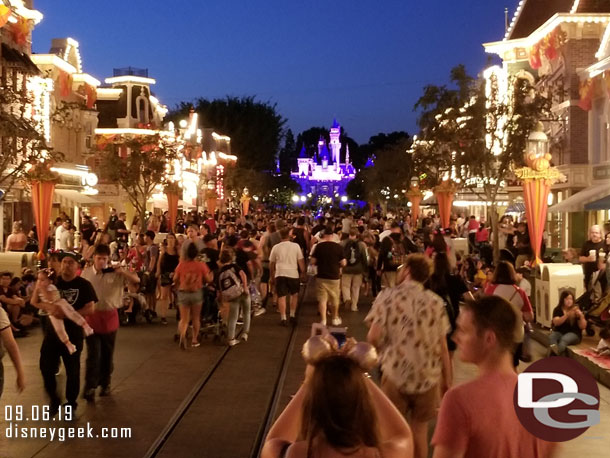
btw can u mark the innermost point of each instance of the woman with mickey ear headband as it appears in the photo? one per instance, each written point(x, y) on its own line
point(339, 411)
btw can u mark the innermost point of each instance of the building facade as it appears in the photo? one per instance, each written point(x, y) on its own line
point(552, 43)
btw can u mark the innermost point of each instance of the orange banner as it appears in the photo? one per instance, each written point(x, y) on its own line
point(172, 207)
point(415, 201)
point(42, 202)
point(246, 206)
point(535, 193)
point(5, 13)
point(211, 203)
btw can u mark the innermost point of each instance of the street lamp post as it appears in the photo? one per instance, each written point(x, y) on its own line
point(537, 176)
point(415, 196)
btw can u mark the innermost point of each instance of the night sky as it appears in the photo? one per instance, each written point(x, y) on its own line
point(364, 62)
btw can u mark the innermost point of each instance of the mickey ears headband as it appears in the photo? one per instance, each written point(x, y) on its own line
point(319, 347)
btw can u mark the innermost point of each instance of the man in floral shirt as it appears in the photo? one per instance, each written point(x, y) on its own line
point(408, 325)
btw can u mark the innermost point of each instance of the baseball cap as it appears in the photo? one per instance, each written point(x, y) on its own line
point(70, 254)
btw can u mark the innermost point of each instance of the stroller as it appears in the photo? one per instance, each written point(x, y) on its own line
point(595, 303)
point(598, 315)
point(211, 320)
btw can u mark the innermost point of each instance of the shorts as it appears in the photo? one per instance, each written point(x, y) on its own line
point(422, 406)
point(388, 279)
point(266, 275)
point(328, 291)
point(167, 278)
point(286, 286)
point(190, 298)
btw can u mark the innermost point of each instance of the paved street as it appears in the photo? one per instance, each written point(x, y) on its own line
point(152, 378)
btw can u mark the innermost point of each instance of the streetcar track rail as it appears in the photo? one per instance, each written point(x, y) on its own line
point(183, 409)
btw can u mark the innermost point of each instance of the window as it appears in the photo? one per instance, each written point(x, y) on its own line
point(142, 108)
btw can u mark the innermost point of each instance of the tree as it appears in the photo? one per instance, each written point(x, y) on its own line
point(138, 164)
point(376, 144)
point(477, 132)
point(23, 145)
point(387, 180)
point(255, 127)
point(288, 153)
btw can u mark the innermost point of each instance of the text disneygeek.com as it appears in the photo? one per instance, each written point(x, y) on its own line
point(61, 433)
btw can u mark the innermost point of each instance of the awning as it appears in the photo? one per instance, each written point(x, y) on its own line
point(516, 207)
point(601, 204)
point(577, 202)
point(162, 204)
point(76, 196)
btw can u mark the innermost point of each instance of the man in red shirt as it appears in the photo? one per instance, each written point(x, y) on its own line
point(478, 418)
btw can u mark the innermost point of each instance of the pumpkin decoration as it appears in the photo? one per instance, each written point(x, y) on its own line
point(538, 163)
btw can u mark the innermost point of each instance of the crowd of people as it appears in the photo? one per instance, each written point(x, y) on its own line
point(225, 269)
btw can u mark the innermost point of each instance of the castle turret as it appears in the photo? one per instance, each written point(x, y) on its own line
point(303, 162)
point(323, 154)
point(335, 144)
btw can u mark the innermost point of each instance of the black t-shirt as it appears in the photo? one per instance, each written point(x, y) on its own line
point(523, 243)
point(8, 293)
point(328, 259)
point(87, 230)
point(590, 267)
point(78, 293)
point(120, 226)
point(566, 326)
point(210, 257)
point(241, 259)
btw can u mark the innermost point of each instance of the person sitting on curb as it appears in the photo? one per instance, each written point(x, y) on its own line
point(568, 323)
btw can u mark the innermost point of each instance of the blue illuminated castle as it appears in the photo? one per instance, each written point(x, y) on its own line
point(324, 174)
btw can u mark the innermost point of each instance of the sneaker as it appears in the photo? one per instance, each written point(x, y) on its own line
point(240, 321)
point(195, 344)
point(283, 323)
point(554, 349)
point(293, 320)
point(89, 395)
point(336, 321)
point(260, 311)
point(354, 308)
point(233, 342)
point(163, 321)
point(244, 337)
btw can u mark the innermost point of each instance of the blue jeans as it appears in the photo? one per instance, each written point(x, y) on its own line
point(563, 340)
point(243, 303)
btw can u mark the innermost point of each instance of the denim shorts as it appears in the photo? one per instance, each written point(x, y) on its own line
point(190, 298)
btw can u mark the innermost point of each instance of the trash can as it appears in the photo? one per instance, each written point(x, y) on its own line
point(460, 245)
point(15, 261)
point(541, 288)
point(555, 279)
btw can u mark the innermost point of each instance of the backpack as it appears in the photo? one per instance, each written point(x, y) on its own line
point(351, 253)
point(397, 255)
point(229, 283)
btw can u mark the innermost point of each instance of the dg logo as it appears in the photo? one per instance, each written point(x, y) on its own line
point(556, 399)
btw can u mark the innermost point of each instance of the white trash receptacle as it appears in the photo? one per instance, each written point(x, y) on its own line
point(556, 278)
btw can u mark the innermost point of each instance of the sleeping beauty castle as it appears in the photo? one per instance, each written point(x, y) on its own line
point(323, 174)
